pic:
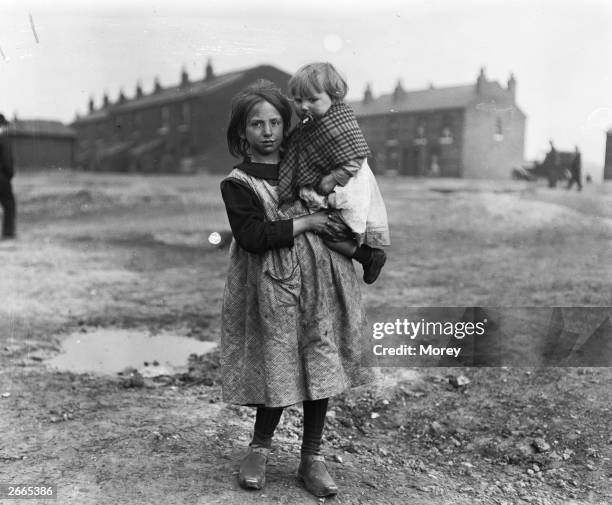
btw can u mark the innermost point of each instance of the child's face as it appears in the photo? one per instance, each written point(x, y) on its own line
point(264, 132)
point(316, 104)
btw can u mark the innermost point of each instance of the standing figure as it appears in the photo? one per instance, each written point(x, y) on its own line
point(553, 162)
point(7, 199)
point(576, 171)
point(326, 166)
point(293, 323)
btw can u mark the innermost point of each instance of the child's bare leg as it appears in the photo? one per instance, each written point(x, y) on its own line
point(345, 247)
point(372, 259)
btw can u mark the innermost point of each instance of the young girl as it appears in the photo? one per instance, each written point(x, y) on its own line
point(293, 325)
point(326, 165)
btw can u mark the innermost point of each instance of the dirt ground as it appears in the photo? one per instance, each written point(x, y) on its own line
point(131, 252)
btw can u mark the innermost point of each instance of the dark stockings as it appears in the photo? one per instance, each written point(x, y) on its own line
point(267, 419)
point(314, 422)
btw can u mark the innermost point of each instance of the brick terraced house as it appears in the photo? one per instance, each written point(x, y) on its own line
point(41, 144)
point(472, 131)
point(179, 128)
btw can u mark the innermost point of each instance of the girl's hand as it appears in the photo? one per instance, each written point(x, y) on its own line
point(327, 185)
point(337, 230)
point(318, 222)
point(328, 224)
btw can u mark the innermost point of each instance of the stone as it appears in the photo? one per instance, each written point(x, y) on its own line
point(540, 445)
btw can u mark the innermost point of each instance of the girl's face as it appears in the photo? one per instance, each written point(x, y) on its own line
point(315, 105)
point(264, 133)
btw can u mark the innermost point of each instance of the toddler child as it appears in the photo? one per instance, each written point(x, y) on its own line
point(326, 166)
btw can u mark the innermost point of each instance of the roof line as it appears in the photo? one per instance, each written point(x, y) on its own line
point(133, 102)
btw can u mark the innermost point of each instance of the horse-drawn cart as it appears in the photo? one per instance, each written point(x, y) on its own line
point(555, 167)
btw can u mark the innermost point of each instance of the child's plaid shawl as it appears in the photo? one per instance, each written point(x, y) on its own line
point(316, 148)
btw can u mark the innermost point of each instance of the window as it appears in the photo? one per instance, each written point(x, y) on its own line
point(165, 116)
point(499, 130)
point(117, 128)
point(165, 121)
point(186, 110)
point(420, 139)
point(446, 134)
point(393, 127)
point(122, 124)
point(185, 117)
point(420, 129)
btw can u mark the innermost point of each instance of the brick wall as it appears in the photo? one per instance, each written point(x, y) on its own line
point(399, 144)
point(42, 152)
point(494, 137)
point(608, 158)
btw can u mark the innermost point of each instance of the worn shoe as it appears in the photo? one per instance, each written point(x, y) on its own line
point(252, 473)
point(371, 270)
point(316, 478)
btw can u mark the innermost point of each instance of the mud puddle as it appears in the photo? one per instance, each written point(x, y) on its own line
point(110, 351)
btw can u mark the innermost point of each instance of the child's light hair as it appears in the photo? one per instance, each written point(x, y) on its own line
point(318, 78)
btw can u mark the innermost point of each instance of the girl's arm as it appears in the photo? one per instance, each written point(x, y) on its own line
point(249, 226)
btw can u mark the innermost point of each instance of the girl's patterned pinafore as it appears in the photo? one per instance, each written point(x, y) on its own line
point(293, 324)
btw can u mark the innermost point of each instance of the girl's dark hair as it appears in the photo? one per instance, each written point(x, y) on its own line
point(242, 105)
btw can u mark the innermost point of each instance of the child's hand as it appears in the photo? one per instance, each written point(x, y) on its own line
point(327, 185)
point(329, 225)
point(337, 229)
point(318, 222)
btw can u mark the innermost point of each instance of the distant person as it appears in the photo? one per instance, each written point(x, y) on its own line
point(434, 170)
point(326, 166)
point(7, 199)
point(588, 178)
point(575, 171)
point(553, 162)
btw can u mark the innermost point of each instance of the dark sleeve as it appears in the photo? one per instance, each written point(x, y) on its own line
point(6, 157)
point(248, 222)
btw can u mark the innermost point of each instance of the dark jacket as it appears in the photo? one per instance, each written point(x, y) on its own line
point(6, 156)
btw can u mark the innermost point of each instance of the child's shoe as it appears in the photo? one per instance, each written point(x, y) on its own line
point(252, 473)
point(316, 478)
point(372, 268)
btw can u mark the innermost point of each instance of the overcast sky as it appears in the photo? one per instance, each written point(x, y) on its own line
point(559, 51)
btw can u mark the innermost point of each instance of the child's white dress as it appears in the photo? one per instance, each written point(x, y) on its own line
point(360, 203)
